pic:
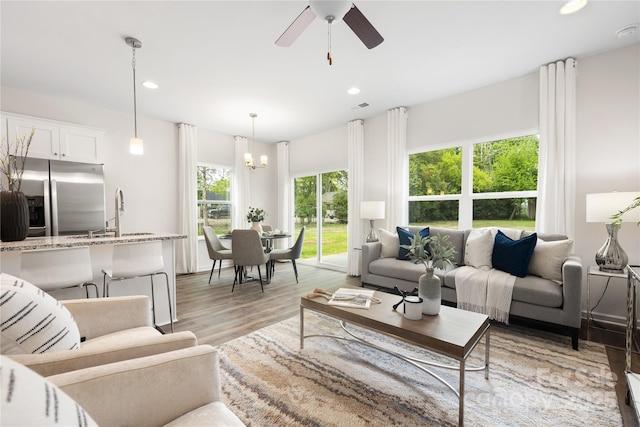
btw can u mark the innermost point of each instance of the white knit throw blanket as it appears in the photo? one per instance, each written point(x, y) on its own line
point(486, 291)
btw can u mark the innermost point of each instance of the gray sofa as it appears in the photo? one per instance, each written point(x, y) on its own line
point(534, 297)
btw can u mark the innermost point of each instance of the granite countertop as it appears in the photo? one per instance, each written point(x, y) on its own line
point(70, 241)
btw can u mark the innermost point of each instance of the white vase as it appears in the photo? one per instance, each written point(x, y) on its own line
point(257, 226)
point(431, 293)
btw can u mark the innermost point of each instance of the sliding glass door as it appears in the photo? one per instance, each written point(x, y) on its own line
point(321, 206)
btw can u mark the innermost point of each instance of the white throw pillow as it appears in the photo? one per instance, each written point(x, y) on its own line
point(390, 243)
point(512, 233)
point(30, 400)
point(478, 249)
point(548, 258)
point(35, 320)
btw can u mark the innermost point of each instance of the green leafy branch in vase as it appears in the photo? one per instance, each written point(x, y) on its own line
point(255, 214)
point(12, 161)
point(617, 218)
point(432, 251)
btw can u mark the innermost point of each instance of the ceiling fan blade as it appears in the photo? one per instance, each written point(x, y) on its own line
point(296, 28)
point(362, 27)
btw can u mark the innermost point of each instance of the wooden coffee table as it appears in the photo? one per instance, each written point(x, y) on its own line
point(453, 333)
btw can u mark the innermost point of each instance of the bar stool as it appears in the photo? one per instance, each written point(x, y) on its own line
point(59, 268)
point(140, 259)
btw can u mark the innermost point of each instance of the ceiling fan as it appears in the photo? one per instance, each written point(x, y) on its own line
point(331, 11)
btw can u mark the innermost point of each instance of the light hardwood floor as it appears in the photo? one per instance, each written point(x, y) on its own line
point(216, 315)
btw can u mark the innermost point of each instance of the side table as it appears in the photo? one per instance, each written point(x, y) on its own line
point(633, 378)
point(594, 271)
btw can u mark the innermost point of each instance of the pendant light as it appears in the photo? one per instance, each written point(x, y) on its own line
point(136, 145)
point(248, 157)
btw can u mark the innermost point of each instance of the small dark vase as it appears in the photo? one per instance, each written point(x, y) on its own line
point(14, 216)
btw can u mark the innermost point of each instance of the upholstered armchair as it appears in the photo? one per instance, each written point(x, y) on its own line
point(178, 388)
point(110, 330)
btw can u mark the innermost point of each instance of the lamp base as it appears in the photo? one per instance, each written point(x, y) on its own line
point(611, 258)
point(372, 236)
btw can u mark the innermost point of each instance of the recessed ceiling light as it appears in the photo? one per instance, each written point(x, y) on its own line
point(353, 91)
point(627, 31)
point(150, 85)
point(572, 6)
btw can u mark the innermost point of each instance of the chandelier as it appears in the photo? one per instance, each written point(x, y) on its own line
point(248, 157)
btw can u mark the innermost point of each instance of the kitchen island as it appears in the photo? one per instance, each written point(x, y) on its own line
point(101, 248)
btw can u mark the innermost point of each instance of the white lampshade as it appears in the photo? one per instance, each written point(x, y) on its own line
point(372, 210)
point(136, 146)
point(263, 160)
point(601, 206)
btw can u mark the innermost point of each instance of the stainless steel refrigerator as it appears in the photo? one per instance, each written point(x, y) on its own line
point(64, 198)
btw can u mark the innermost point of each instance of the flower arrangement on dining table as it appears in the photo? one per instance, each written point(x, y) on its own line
point(255, 214)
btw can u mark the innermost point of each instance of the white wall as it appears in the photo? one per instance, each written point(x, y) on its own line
point(321, 152)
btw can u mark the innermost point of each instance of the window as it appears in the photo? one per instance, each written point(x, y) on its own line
point(325, 238)
point(214, 198)
point(502, 180)
point(435, 186)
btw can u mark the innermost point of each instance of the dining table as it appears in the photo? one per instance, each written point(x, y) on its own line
point(267, 238)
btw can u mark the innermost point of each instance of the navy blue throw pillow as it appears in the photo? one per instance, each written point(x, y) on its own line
point(404, 236)
point(513, 256)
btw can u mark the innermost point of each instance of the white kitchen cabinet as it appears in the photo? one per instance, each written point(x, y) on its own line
point(80, 144)
point(56, 140)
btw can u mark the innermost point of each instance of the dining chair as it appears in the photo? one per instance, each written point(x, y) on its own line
point(140, 259)
point(60, 268)
point(247, 252)
point(267, 228)
point(217, 251)
point(292, 253)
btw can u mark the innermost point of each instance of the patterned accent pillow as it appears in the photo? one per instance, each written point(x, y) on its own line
point(30, 400)
point(33, 319)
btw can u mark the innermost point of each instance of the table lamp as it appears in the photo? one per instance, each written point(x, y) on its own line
point(372, 211)
point(600, 208)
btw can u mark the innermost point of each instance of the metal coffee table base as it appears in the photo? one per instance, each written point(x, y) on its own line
point(418, 363)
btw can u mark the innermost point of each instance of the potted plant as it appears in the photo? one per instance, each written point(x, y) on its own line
point(14, 210)
point(433, 252)
point(256, 216)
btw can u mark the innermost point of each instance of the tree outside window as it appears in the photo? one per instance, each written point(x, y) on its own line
point(214, 198)
point(503, 190)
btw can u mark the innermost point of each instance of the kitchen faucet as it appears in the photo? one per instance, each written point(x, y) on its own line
point(119, 208)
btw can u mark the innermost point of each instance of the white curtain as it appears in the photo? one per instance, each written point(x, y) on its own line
point(241, 194)
point(285, 216)
point(397, 168)
point(555, 210)
point(355, 236)
point(187, 249)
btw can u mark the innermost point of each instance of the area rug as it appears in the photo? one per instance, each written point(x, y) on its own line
point(535, 379)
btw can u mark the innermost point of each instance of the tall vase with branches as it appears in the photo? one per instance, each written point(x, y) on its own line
point(433, 252)
point(13, 203)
